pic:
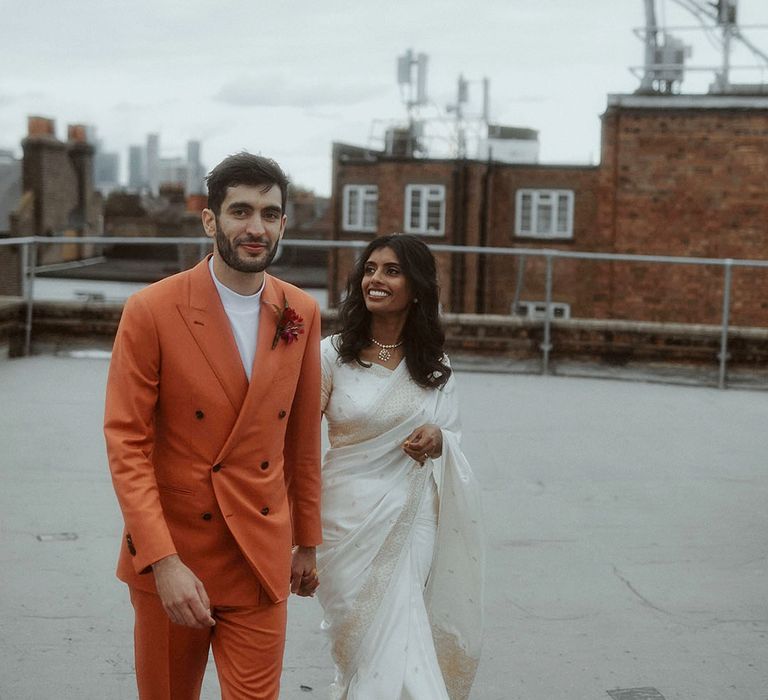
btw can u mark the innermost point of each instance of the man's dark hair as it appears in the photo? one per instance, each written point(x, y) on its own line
point(244, 169)
point(423, 335)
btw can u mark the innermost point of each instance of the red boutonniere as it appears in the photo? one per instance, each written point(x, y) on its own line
point(289, 324)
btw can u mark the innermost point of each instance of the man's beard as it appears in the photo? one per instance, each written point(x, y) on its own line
point(229, 254)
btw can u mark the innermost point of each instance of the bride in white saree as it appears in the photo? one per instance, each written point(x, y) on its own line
point(401, 564)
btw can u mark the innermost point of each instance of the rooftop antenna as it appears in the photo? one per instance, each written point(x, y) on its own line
point(462, 97)
point(664, 56)
point(651, 45)
point(413, 91)
point(664, 61)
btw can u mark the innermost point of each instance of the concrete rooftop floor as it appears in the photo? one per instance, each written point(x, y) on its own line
point(627, 539)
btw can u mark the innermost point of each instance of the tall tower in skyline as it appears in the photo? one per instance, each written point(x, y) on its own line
point(137, 179)
point(195, 171)
point(153, 163)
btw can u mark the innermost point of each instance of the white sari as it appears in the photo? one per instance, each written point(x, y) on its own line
point(393, 637)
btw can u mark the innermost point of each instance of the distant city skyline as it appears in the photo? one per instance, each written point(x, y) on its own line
point(287, 80)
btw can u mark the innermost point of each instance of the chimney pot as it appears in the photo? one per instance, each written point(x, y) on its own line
point(76, 133)
point(41, 126)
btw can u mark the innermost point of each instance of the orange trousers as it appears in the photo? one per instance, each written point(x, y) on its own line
point(247, 643)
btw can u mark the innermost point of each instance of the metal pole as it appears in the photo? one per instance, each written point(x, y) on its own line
point(723, 356)
point(646, 83)
point(29, 262)
point(546, 346)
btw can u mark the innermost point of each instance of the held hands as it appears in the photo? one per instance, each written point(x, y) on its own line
point(424, 442)
point(304, 579)
point(182, 593)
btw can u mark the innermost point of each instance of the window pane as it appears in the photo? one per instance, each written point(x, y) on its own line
point(353, 207)
point(526, 210)
point(415, 222)
point(434, 217)
point(544, 215)
point(369, 214)
point(562, 213)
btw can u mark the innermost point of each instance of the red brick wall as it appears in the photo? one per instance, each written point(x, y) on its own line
point(479, 211)
point(689, 182)
point(677, 182)
point(577, 283)
point(391, 177)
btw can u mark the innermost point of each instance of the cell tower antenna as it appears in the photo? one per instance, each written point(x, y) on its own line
point(664, 61)
point(414, 93)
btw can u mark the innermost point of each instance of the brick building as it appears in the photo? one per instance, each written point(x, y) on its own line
point(679, 176)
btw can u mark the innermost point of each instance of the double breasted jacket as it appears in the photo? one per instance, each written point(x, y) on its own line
point(222, 471)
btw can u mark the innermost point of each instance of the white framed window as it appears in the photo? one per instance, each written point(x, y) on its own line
point(537, 310)
point(544, 213)
point(360, 208)
point(425, 209)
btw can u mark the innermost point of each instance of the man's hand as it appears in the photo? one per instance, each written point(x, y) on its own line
point(182, 593)
point(304, 580)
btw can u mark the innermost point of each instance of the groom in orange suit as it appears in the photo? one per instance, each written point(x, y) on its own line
point(212, 426)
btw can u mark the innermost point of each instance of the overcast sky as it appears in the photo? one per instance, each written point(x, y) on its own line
point(286, 79)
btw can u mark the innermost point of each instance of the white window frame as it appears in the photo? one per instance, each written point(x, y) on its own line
point(428, 194)
point(368, 194)
point(537, 310)
point(540, 199)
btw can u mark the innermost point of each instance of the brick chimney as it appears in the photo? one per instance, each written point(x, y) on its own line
point(81, 156)
point(59, 177)
point(43, 173)
point(41, 126)
point(77, 133)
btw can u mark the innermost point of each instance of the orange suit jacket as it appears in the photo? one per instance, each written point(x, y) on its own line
point(204, 463)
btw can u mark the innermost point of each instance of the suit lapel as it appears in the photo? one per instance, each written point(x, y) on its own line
point(208, 323)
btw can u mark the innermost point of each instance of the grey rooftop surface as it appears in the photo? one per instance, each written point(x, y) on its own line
point(627, 528)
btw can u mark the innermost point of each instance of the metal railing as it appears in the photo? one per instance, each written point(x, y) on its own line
point(29, 268)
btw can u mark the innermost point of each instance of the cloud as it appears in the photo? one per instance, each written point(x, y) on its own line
point(281, 92)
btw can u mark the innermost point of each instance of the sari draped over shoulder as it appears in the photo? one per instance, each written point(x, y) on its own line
point(386, 626)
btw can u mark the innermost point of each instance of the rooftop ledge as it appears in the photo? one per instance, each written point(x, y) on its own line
point(689, 101)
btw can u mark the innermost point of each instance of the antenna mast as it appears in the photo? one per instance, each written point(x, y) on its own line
point(665, 61)
point(414, 93)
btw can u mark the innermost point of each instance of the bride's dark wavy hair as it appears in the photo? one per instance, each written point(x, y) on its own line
point(423, 335)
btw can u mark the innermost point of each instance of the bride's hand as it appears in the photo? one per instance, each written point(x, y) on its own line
point(424, 442)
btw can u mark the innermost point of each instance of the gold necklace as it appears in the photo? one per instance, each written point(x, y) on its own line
point(384, 354)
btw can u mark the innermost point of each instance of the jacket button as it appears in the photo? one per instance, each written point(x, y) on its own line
point(264, 464)
point(206, 516)
point(199, 414)
point(265, 511)
point(282, 414)
point(216, 467)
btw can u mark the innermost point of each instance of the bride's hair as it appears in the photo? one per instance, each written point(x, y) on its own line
point(423, 335)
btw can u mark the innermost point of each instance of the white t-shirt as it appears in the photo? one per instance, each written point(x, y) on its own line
point(243, 313)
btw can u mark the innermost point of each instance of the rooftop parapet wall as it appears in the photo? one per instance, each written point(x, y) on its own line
point(67, 325)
